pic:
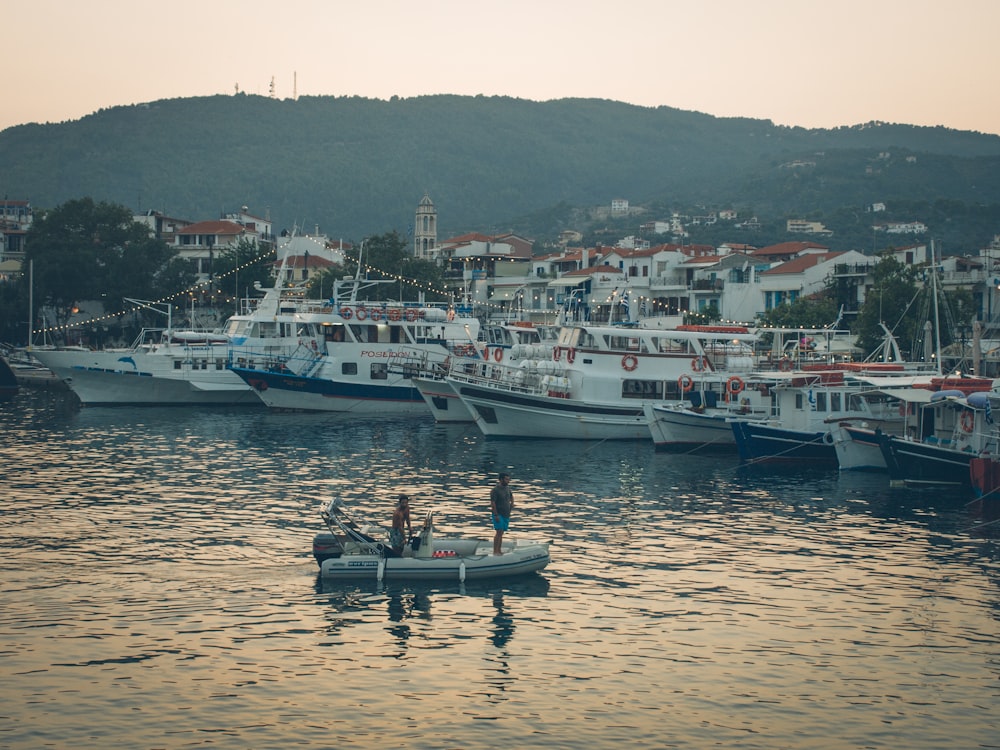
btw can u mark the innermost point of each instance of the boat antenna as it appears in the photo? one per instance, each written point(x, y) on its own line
point(937, 319)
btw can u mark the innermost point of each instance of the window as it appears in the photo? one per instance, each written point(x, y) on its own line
point(379, 371)
point(348, 368)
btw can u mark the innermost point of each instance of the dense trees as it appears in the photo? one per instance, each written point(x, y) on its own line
point(385, 258)
point(348, 164)
point(87, 250)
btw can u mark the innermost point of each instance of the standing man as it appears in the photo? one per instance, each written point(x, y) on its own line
point(501, 505)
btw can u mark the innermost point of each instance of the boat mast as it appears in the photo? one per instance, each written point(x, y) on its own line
point(937, 319)
point(31, 300)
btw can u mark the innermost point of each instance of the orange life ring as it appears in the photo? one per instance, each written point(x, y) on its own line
point(395, 313)
point(376, 314)
point(629, 362)
point(967, 421)
point(498, 354)
point(411, 314)
point(685, 382)
point(785, 365)
point(362, 313)
point(556, 353)
point(571, 355)
point(698, 364)
point(734, 385)
point(346, 313)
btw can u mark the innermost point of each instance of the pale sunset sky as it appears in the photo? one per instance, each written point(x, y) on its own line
point(796, 62)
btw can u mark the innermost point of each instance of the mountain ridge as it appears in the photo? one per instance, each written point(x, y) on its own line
point(354, 166)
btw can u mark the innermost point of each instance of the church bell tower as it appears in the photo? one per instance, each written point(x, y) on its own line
point(425, 228)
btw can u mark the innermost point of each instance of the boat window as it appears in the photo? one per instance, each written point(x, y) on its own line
point(664, 344)
point(267, 330)
point(642, 389)
point(220, 364)
point(798, 400)
point(379, 371)
point(835, 401)
point(820, 401)
point(626, 344)
point(334, 333)
point(348, 368)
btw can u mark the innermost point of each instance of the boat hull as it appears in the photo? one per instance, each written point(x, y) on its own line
point(443, 401)
point(857, 449)
point(914, 463)
point(766, 443)
point(289, 392)
point(681, 429)
point(520, 560)
point(505, 414)
point(130, 378)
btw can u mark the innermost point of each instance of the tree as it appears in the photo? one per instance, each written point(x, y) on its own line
point(387, 257)
point(84, 250)
point(238, 268)
point(891, 297)
point(816, 311)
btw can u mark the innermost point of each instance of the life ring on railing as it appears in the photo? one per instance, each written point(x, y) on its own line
point(785, 364)
point(346, 313)
point(685, 382)
point(967, 420)
point(698, 364)
point(498, 354)
point(395, 313)
point(376, 314)
point(411, 314)
point(734, 385)
point(571, 355)
point(629, 362)
point(556, 353)
point(361, 313)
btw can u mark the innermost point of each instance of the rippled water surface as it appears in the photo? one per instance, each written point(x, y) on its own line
point(158, 592)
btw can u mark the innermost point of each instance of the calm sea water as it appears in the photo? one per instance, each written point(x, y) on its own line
point(158, 592)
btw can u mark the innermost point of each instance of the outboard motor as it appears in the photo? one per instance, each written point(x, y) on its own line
point(425, 544)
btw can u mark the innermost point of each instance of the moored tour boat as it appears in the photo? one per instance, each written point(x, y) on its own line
point(594, 382)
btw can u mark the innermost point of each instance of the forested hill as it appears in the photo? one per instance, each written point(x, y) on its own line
point(356, 166)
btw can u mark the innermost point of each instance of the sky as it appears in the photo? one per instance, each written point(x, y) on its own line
point(794, 62)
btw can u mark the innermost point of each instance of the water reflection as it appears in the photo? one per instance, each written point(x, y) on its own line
point(162, 558)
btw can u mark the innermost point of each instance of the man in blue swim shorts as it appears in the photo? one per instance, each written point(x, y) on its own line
point(501, 506)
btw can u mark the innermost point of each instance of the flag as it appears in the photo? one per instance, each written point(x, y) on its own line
point(624, 303)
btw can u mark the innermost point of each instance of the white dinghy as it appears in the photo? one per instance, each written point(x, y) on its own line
point(350, 552)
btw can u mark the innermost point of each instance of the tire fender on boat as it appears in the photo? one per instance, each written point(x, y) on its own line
point(828, 438)
point(461, 571)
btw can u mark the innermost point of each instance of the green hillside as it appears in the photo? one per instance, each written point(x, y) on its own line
point(357, 166)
